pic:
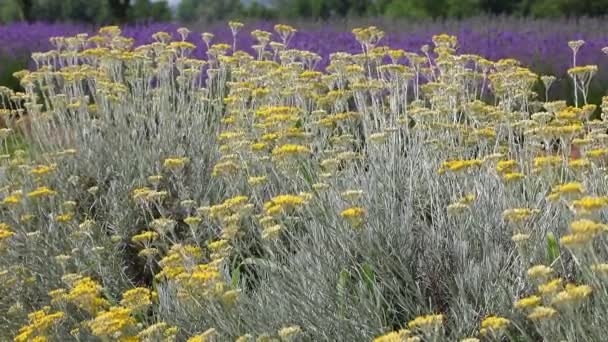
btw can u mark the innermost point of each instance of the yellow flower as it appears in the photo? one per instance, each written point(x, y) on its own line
point(5, 231)
point(272, 232)
point(163, 225)
point(64, 217)
point(600, 268)
point(579, 70)
point(290, 332)
point(153, 332)
point(85, 293)
point(354, 215)
point(550, 287)
point(518, 214)
point(148, 253)
point(352, 195)
point(57, 295)
point(207, 336)
point(572, 295)
point(41, 192)
point(282, 203)
point(115, 320)
point(519, 238)
point(568, 188)
point(290, 150)
point(257, 180)
point(539, 272)
point(579, 164)
point(584, 226)
point(170, 332)
point(528, 302)
point(136, 299)
point(589, 203)
point(218, 245)
point(258, 146)
point(540, 313)
point(513, 176)
point(577, 240)
point(506, 166)
point(39, 323)
point(458, 165)
point(426, 323)
point(244, 338)
point(176, 163)
point(393, 336)
point(155, 179)
point(547, 161)
point(13, 198)
point(145, 237)
point(42, 170)
point(494, 325)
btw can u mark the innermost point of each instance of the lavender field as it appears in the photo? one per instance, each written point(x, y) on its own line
point(539, 44)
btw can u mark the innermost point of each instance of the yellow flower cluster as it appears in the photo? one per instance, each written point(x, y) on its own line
point(494, 325)
point(287, 149)
point(117, 321)
point(284, 203)
point(86, 294)
point(39, 323)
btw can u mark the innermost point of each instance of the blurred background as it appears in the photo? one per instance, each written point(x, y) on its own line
point(122, 11)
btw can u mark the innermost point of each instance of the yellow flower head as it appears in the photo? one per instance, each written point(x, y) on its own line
point(494, 325)
point(41, 192)
point(354, 215)
point(426, 323)
point(393, 336)
point(282, 203)
point(176, 163)
point(539, 272)
point(459, 165)
point(290, 150)
point(541, 313)
point(115, 320)
point(576, 240)
point(528, 302)
point(572, 295)
point(207, 336)
point(518, 214)
point(136, 299)
point(589, 203)
point(550, 287)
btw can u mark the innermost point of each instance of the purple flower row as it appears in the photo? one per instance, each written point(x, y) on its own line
point(542, 46)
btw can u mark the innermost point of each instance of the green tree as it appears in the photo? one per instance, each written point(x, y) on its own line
point(144, 10)
point(500, 6)
point(120, 9)
point(430, 8)
point(26, 9)
point(256, 10)
point(93, 11)
point(10, 11)
point(325, 8)
point(209, 10)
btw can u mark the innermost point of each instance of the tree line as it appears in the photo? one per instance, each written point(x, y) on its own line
point(120, 11)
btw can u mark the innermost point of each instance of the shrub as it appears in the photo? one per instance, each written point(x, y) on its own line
point(395, 195)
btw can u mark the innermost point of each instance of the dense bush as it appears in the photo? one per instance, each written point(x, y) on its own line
point(250, 196)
